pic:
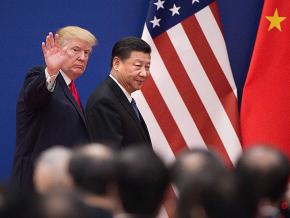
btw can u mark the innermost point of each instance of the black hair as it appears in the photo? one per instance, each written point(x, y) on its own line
point(123, 48)
point(261, 178)
point(142, 179)
point(91, 174)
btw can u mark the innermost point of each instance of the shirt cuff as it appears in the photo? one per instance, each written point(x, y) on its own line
point(50, 80)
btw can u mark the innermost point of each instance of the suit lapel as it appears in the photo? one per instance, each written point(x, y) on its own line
point(126, 104)
point(68, 94)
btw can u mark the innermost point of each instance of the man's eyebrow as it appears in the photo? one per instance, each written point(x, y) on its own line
point(138, 59)
point(77, 46)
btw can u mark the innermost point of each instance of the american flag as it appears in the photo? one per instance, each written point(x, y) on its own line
point(190, 99)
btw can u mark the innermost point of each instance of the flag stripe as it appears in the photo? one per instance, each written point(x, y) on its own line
point(163, 116)
point(163, 213)
point(162, 148)
point(216, 41)
point(189, 94)
point(214, 8)
point(170, 201)
point(205, 90)
point(172, 98)
point(212, 68)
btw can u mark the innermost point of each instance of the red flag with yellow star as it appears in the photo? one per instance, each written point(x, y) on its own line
point(265, 109)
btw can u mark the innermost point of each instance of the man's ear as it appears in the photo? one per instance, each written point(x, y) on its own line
point(116, 63)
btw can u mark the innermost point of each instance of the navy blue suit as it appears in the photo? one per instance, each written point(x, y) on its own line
point(44, 119)
point(112, 120)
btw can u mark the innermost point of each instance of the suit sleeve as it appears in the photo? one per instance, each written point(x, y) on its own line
point(104, 123)
point(36, 94)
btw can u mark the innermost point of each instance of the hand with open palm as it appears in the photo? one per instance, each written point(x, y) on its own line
point(54, 55)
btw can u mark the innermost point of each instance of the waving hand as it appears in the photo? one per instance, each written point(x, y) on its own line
point(54, 55)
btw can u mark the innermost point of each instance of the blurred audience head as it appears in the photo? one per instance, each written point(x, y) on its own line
point(262, 174)
point(205, 185)
point(205, 195)
point(194, 161)
point(142, 179)
point(59, 204)
point(92, 169)
point(51, 170)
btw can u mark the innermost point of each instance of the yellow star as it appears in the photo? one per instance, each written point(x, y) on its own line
point(275, 20)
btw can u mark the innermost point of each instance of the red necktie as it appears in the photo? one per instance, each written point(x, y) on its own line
point(74, 93)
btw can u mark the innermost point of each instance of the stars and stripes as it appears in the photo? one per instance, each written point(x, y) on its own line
point(190, 100)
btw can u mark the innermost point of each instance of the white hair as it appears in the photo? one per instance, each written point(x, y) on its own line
point(51, 169)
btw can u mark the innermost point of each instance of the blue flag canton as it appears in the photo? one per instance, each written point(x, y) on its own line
point(164, 14)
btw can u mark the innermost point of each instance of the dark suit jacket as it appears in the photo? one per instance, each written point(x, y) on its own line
point(44, 119)
point(98, 212)
point(111, 119)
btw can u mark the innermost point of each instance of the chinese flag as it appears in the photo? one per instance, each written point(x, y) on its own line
point(265, 110)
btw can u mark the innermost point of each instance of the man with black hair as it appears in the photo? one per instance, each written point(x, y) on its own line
point(206, 195)
point(92, 170)
point(141, 179)
point(205, 185)
point(262, 175)
point(195, 161)
point(112, 114)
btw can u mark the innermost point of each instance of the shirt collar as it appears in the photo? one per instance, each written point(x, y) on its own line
point(65, 77)
point(129, 97)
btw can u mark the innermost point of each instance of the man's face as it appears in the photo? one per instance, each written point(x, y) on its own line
point(132, 72)
point(77, 56)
